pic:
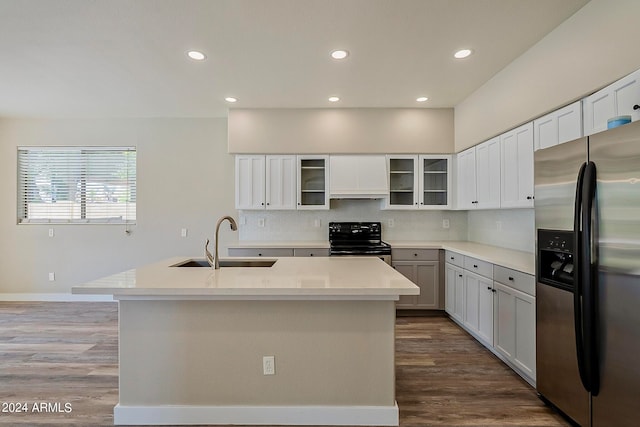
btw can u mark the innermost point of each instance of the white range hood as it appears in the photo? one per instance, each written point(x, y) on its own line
point(358, 177)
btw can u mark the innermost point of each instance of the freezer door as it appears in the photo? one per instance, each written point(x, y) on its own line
point(556, 170)
point(558, 379)
point(617, 156)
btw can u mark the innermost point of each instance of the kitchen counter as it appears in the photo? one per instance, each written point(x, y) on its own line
point(305, 341)
point(510, 258)
point(288, 278)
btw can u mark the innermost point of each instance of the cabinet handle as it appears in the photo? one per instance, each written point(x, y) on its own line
point(415, 254)
point(267, 203)
point(262, 204)
point(452, 257)
point(493, 290)
point(475, 266)
point(529, 198)
point(489, 288)
point(310, 254)
point(459, 275)
point(298, 203)
point(259, 254)
point(511, 278)
point(636, 107)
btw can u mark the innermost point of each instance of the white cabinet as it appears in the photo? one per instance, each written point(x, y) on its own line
point(419, 182)
point(617, 99)
point(250, 182)
point(281, 182)
point(517, 167)
point(479, 176)
point(478, 303)
point(313, 182)
point(454, 292)
point(515, 328)
point(358, 176)
point(558, 127)
point(265, 182)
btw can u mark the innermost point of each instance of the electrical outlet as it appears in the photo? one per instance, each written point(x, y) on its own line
point(445, 223)
point(51, 232)
point(316, 223)
point(52, 277)
point(391, 223)
point(183, 232)
point(260, 222)
point(269, 365)
point(499, 225)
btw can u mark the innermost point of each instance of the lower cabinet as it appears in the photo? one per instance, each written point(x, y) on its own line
point(265, 252)
point(421, 266)
point(515, 328)
point(499, 311)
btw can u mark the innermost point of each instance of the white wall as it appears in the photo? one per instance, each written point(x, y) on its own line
point(299, 225)
point(591, 49)
point(184, 180)
point(517, 228)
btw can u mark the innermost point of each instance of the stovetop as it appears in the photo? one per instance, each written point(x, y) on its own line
point(357, 238)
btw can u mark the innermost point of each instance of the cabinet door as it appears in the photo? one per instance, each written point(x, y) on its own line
point(545, 131)
point(459, 304)
point(451, 272)
point(617, 99)
point(626, 95)
point(488, 174)
point(485, 311)
point(569, 121)
point(403, 182)
point(408, 270)
point(281, 182)
point(466, 173)
point(250, 182)
point(313, 182)
point(435, 182)
point(428, 279)
point(471, 301)
point(515, 328)
point(517, 167)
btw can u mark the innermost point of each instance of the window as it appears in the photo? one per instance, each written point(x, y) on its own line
point(76, 185)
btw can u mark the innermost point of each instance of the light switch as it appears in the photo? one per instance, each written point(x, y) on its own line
point(183, 232)
point(445, 223)
point(260, 222)
point(51, 232)
point(316, 223)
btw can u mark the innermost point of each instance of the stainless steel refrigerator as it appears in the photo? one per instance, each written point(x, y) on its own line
point(587, 213)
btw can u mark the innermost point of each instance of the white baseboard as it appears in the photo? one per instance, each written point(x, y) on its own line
point(54, 297)
point(257, 415)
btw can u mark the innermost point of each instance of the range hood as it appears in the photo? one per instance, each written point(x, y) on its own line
point(358, 177)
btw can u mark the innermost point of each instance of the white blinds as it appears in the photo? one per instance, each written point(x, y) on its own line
point(76, 185)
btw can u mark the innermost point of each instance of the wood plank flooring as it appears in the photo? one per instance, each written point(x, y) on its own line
point(60, 353)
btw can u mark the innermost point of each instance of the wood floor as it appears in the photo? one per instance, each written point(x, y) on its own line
point(60, 360)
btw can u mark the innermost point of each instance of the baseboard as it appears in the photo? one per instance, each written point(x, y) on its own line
point(54, 297)
point(257, 415)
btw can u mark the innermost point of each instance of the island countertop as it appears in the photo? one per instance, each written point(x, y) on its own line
point(288, 278)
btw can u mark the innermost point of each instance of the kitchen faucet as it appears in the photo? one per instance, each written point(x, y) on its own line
point(214, 259)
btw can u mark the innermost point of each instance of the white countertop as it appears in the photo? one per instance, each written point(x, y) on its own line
point(289, 278)
point(510, 258)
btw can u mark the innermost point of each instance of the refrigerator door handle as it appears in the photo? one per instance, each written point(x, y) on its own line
point(589, 276)
point(578, 279)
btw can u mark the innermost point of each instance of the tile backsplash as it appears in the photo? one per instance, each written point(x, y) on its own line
point(507, 228)
point(313, 225)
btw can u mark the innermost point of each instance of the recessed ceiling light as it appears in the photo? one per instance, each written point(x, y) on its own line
point(463, 53)
point(196, 55)
point(334, 99)
point(339, 54)
point(422, 99)
point(230, 99)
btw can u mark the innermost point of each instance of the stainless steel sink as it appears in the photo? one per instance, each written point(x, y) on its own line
point(226, 263)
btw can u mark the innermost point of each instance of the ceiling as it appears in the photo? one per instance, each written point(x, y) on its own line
point(126, 58)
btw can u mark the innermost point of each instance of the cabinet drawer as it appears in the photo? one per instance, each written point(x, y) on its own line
point(454, 258)
point(266, 252)
point(415, 254)
point(310, 252)
point(515, 279)
point(482, 268)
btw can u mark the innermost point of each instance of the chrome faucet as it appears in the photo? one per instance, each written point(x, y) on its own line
point(214, 259)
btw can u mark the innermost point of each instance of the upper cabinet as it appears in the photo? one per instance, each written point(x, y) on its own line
point(617, 99)
point(558, 127)
point(479, 176)
point(517, 167)
point(313, 182)
point(280, 185)
point(355, 176)
point(250, 182)
point(419, 182)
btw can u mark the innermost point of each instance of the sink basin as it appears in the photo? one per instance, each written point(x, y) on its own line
point(226, 263)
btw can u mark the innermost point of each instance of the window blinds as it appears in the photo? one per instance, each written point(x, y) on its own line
point(76, 185)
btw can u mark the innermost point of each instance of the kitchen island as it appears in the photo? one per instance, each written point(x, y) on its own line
point(193, 342)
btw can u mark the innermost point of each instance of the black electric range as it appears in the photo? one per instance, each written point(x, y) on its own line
point(357, 239)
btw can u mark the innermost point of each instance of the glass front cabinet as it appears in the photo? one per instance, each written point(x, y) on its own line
point(313, 182)
point(419, 182)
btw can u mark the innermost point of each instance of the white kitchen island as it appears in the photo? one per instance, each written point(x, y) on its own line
point(192, 342)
